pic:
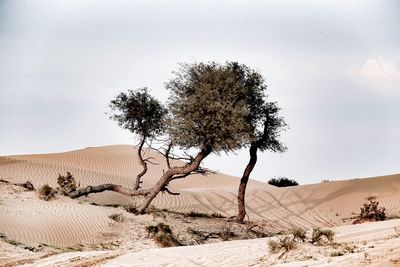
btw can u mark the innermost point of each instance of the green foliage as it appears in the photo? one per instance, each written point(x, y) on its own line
point(282, 182)
point(268, 128)
point(214, 105)
point(138, 112)
point(46, 192)
point(67, 183)
point(319, 234)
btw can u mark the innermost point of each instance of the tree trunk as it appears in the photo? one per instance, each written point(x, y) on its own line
point(143, 163)
point(110, 187)
point(243, 183)
point(171, 174)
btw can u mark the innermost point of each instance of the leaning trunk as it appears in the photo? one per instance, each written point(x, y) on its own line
point(243, 183)
point(143, 163)
point(171, 174)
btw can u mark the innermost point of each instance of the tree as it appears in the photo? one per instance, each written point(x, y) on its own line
point(141, 114)
point(208, 109)
point(282, 182)
point(265, 128)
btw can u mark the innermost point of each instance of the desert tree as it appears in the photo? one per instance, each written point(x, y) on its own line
point(208, 108)
point(265, 126)
point(141, 114)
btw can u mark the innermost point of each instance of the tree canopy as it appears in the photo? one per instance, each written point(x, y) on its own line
point(212, 104)
point(139, 112)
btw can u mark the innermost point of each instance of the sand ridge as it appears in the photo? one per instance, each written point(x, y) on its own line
point(66, 222)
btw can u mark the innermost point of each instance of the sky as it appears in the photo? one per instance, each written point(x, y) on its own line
point(332, 66)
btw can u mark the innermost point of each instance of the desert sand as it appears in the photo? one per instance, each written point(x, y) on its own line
point(70, 225)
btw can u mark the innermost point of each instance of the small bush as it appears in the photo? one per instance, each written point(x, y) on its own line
point(13, 242)
point(28, 185)
point(371, 211)
point(286, 242)
point(162, 235)
point(166, 240)
point(67, 183)
point(336, 253)
point(273, 246)
point(318, 235)
point(118, 217)
point(298, 233)
point(282, 182)
point(226, 233)
point(131, 208)
point(46, 192)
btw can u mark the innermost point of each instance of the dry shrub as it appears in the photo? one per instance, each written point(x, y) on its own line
point(118, 217)
point(28, 185)
point(226, 232)
point(46, 192)
point(286, 242)
point(165, 240)
point(298, 233)
point(162, 235)
point(67, 183)
point(371, 211)
point(319, 235)
point(273, 246)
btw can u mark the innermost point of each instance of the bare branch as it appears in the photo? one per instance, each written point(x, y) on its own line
point(169, 192)
point(110, 187)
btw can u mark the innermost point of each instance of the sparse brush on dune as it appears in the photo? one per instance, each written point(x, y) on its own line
point(46, 192)
point(162, 235)
point(66, 183)
point(320, 235)
point(371, 211)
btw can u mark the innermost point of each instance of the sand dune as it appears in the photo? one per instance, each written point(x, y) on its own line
point(255, 252)
point(66, 222)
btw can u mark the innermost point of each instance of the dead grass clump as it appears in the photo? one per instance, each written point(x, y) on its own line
point(67, 183)
point(320, 235)
point(285, 242)
point(162, 235)
point(166, 240)
point(9, 241)
point(226, 232)
point(273, 246)
point(28, 185)
point(298, 233)
point(46, 192)
point(118, 217)
point(336, 253)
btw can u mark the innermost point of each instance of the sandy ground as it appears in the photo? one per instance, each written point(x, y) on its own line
point(55, 231)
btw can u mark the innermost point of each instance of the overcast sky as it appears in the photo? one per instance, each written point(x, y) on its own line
point(333, 67)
